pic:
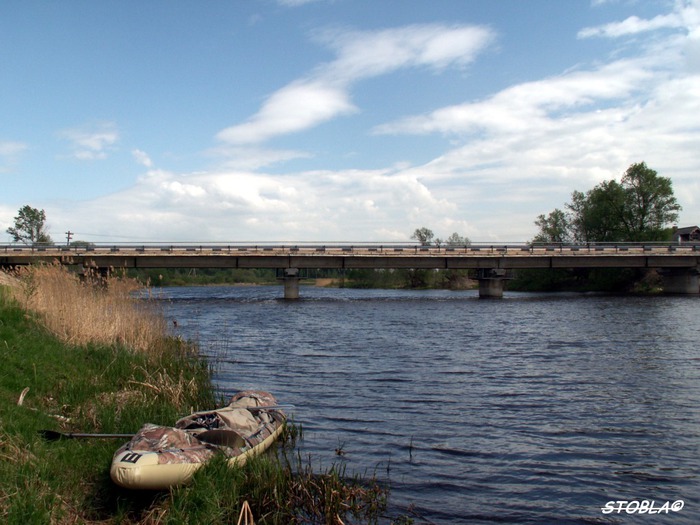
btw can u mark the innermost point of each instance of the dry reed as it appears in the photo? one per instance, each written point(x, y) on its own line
point(90, 310)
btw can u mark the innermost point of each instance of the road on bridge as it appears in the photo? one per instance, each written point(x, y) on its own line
point(365, 255)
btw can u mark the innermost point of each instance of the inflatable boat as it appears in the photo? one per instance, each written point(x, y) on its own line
point(160, 457)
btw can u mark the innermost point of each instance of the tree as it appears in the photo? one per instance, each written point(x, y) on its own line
point(597, 214)
point(554, 228)
point(424, 236)
point(649, 205)
point(30, 227)
point(457, 240)
point(637, 209)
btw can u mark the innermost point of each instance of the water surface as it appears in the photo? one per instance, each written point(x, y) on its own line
point(537, 408)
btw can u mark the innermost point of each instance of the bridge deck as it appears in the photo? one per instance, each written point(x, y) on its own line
point(160, 255)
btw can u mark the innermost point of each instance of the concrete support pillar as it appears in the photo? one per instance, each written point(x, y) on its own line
point(291, 283)
point(681, 280)
point(491, 282)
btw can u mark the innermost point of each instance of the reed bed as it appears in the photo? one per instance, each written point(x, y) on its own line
point(86, 309)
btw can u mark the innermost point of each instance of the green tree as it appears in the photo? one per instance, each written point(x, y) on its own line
point(596, 216)
point(457, 240)
point(637, 209)
point(424, 236)
point(650, 205)
point(553, 228)
point(30, 227)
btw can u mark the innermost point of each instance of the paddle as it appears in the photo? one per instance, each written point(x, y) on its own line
point(270, 407)
point(215, 436)
point(220, 437)
point(54, 435)
point(249, 409)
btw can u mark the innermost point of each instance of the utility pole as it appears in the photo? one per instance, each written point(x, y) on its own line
point(69, 235)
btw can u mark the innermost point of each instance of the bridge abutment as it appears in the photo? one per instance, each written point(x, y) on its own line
point(491, 282)
point(681, 280)
point(291, 283)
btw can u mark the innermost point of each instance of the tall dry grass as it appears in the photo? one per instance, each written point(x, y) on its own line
point(82, 311)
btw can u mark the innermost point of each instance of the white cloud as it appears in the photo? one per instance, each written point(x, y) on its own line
point(241, 205)
point(252, 157)
point(364, 54)
point(533, 104)
point(532, 144)
point(9, 148)
point(295, 107)
point(630, 26)
point(324, 94)
point(684, 15)
point(142, 158)
point(91, 142)
point(512, 155)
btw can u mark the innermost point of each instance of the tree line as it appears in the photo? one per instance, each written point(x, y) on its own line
point(639, 208)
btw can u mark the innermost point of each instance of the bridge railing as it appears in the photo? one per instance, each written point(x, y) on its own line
point(356, 248)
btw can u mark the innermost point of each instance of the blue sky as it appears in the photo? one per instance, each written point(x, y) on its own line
point(338, 120)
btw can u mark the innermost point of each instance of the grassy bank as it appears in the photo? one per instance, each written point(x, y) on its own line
point(89, 358)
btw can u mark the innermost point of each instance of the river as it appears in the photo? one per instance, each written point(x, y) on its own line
point(535, 408)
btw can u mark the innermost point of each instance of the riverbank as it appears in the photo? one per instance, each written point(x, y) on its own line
point(54, 380)
point(89, 358)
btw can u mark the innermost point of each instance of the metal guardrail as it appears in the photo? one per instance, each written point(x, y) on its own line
point(301, 248)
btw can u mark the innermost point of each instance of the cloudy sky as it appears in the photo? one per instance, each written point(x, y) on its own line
point(338, 120)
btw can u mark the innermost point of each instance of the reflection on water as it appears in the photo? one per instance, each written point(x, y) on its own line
point(536, 408)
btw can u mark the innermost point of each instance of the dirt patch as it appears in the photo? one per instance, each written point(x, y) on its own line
point(325, 282)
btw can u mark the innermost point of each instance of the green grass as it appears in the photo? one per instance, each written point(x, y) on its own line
point(279, 491)
point(87, 389)
point(106, 389)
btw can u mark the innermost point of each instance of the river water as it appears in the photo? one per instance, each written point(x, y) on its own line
point(535, 408)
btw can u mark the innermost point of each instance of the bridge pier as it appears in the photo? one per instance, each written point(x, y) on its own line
point(681, 280)
point(491, 282)
point(291, 283)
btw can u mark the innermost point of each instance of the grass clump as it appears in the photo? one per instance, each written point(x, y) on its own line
point(89, 309)
point(85, 357)
point(279, 491)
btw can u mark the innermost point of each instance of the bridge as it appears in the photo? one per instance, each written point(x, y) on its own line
point(679, 264)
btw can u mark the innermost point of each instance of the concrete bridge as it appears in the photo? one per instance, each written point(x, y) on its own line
point(679, 264)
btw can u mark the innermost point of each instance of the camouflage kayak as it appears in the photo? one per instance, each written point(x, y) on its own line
point(159, 457)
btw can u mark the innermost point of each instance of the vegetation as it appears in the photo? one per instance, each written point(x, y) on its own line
point(426, 237)
point(408, 278)
point(58, 373)
point(282, 493)
point(30, 227)
point(640, 208)
point(203, 276)
point(362, 278)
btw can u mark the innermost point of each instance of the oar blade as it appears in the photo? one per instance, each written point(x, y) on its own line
point(51, 435)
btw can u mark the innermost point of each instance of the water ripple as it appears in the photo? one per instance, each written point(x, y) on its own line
point(538, 408)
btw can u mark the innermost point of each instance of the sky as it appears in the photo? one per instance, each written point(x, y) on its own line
point(338, 120)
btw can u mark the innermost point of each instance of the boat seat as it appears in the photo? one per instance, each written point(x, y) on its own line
point(222, 438)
